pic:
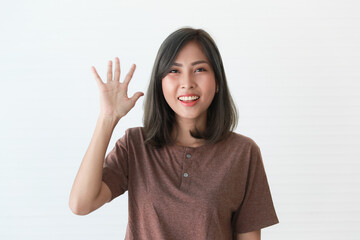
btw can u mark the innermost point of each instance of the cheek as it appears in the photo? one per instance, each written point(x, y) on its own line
point(166, 89)
point(208, 84)
point(210, 88)
point(164, 86)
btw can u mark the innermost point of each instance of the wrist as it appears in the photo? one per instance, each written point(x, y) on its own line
point(107, 120)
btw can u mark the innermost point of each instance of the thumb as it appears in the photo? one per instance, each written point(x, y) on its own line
point(136, 96)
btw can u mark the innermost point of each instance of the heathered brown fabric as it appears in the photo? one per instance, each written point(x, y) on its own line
point(225, 191)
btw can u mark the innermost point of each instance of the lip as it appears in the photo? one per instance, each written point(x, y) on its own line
point(189, 104)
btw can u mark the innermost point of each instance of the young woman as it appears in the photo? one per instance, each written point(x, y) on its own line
point(188, 175)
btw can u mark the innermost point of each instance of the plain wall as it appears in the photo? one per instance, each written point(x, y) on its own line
point(293, 68)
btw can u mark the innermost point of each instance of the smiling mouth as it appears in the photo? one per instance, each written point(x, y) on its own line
point(188, 99)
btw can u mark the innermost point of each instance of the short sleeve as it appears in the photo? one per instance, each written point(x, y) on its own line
point(115, 168)
point(257, 210)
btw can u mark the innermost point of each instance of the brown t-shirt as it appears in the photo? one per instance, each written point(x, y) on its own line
point(203, 193)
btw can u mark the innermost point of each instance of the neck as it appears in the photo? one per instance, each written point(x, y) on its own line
point(182, 136)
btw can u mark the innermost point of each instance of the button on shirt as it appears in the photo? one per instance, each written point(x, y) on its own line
point(205, 193)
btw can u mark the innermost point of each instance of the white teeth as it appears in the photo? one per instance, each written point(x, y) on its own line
point(188, 98)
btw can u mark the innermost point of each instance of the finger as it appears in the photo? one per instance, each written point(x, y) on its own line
point(117, 69)
point(109, 72)
point(136, 96)
point(130, 74)
point(96, 75)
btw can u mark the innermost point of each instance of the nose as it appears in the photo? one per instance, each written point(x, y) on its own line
point(187, 81)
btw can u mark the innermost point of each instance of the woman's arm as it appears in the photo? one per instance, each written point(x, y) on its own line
point(89, 192)
point(255, 235)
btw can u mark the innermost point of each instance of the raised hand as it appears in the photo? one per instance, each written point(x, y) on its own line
point(114, 101)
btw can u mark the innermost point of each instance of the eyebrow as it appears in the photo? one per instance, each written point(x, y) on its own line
point(192, 64)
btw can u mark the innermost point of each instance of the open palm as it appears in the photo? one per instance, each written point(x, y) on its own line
point(114, 100)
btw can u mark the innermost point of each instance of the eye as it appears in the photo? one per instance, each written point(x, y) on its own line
point(173, 71)
point(201, 69)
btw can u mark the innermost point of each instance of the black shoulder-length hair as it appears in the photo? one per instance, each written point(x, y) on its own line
point(159, 118)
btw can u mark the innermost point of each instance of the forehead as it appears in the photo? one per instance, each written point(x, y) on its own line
point(191, 51)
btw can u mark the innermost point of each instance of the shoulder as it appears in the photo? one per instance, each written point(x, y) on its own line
point(134, 131)
point(245, 147)
point(133, 136)
point(241, 140)
point(236, 144)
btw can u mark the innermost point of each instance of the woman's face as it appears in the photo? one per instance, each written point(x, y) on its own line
point(190, 86)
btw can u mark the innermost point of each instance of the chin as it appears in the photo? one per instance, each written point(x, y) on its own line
point(188, 117)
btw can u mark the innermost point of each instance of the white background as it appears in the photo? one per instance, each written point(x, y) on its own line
point(294, 72)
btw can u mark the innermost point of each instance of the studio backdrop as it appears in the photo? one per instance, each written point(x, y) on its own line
point(293, 68)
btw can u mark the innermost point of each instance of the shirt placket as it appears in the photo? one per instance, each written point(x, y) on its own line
point(186, 174)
